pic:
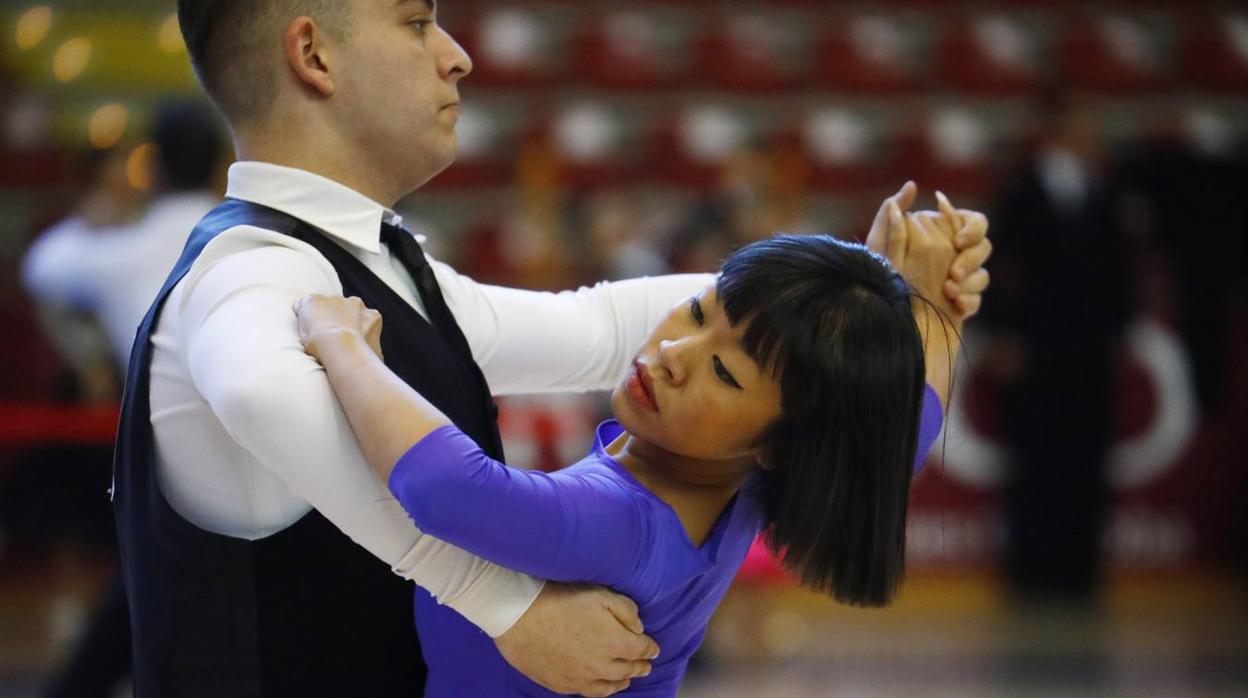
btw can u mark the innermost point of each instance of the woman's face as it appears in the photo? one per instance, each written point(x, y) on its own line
point(693, 390)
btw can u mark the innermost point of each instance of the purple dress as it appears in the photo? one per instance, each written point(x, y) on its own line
point(591, 522)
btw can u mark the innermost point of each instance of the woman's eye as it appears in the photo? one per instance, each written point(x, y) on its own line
point(722, 372)
point(695, 309)
point(420, 24)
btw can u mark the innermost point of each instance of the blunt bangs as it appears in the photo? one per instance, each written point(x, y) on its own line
point(794, 292)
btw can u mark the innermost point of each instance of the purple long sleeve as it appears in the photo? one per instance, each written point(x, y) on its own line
point(929, 426)
point(553, 526)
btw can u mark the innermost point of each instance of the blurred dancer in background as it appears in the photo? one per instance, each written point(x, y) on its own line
point(110, 273)
point(108, 202)
point(110, 268)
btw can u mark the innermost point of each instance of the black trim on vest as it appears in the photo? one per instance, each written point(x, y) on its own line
point(304, 611)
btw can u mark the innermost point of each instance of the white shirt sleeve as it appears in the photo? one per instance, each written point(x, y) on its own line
point(54, 270)
point(245, 358)
point(535, 342)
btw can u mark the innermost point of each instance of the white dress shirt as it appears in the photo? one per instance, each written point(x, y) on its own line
point(113, 273)
point(248, 432)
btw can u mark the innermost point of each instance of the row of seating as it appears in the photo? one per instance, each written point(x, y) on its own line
point(655, 46)
point(858, 145)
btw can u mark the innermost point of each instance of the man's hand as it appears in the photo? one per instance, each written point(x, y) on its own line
point(583, 640)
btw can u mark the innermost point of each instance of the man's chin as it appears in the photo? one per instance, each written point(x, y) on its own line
point(439, 167)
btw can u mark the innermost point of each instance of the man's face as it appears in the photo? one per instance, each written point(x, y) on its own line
point(397, 90)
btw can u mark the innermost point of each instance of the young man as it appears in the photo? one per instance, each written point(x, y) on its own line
point(258, 548)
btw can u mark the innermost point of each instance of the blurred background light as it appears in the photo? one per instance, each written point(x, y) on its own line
point(108, 125)
point(139, 166)
point(71, 59)
point(170, 36)
point(33, 26)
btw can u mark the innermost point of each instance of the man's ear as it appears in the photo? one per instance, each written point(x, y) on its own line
point(306, 54)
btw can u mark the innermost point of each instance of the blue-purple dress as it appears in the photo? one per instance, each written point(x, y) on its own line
point(591, 522)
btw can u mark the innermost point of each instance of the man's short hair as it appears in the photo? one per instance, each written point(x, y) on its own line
point(228, 41)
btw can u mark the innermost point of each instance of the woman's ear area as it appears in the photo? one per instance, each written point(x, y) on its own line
point(307, 54)
point(762, 462)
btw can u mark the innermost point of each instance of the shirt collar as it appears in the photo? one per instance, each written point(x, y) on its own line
point(338, 210)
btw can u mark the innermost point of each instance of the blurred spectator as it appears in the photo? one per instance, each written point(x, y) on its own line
point(99, 262)
point(105, 265)
point(758, 191)
point(108, 201)
point(1057, 314)
point(1183, 187)
point(612, 231)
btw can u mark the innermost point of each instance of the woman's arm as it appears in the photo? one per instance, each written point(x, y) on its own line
point(386, 415)
point(553, 527)
point(566, 526)
point(942, 344)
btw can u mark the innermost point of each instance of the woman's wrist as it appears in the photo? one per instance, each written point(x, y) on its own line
point(934, 322)
point(325, 343)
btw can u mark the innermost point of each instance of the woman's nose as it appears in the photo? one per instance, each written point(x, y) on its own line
point(673, 359)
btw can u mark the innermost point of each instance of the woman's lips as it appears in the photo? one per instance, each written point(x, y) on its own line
point(640, 390)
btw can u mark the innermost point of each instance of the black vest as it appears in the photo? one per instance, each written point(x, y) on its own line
point(304, 612)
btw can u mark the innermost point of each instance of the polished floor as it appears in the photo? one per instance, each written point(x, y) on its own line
point(1165, 635)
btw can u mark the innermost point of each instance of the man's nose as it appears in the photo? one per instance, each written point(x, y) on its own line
point(455, 63)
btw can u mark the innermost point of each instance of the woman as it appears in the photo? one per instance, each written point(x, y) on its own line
point(787, 397)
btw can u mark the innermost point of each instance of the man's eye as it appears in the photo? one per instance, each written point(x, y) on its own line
point(420, 24)
point(695, 309)
point(722, 372)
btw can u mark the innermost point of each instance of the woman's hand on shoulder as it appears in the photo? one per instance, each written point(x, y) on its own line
point(323, 320)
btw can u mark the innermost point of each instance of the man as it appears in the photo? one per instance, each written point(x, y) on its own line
point(1057, 325)
point(250, 525)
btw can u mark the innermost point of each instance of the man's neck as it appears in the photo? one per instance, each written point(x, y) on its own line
point(320, 157)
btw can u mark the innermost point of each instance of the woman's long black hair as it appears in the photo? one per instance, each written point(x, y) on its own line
point(833, 321)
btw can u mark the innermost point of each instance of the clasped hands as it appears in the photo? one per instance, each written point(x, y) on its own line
point(941, 254)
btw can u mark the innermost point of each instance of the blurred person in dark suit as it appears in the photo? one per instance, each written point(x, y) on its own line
point(1179, 186)
point(106, 267)
point(1057, 322)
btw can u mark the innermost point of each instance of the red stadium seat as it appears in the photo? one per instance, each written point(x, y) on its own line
point(950, 149)
point(510, 47)
point(872, 53)
point(623, 51)
point(1113, 53)
point(845, 151)
point(486, 150)
point(747, 52)
point(990, 54)
point(690, 148)
point(1215, 53)
point(595, 146)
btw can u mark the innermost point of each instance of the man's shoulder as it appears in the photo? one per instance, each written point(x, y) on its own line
point(247, 255)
